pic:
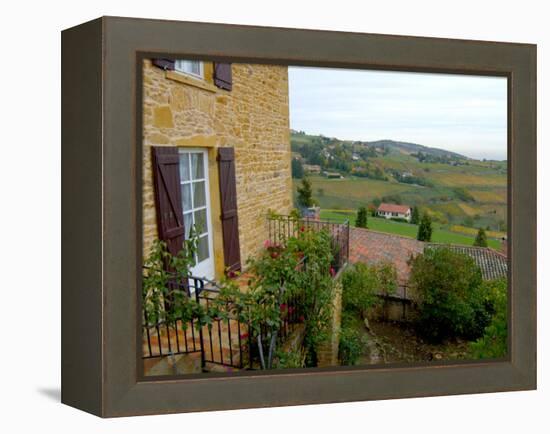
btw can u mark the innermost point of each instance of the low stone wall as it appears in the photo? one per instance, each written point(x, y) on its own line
point(393, 309)
point(327, 354)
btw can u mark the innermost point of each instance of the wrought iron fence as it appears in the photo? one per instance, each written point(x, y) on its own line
point(281, 227)
point(227, 341)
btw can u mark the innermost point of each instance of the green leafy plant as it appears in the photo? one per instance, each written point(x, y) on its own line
point(299, 270)
point(451, 299)
point(363, 283)
point(352, 342)
point(493, 343)
point(165, 283)
point(290, 359)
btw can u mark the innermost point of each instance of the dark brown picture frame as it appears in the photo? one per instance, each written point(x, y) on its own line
point(101, 221)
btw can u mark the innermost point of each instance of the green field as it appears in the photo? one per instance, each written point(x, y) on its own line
point(440, 235)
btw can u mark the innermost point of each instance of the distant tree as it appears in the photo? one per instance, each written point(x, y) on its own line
point(376, 202)
point(481, 238)
point(425, 228)
point(321, 191)
point(372, 209)
point(297, 169)
point(415, 216)
point(361, 219)
point(305, 194)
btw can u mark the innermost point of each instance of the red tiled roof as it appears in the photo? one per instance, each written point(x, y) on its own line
point(390, 207)
point(375, 247)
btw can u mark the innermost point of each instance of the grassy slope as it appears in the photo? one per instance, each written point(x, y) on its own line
point(408, 230)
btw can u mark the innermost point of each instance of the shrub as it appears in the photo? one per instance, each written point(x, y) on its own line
point(493, 343)
point(362, 282)
point(361, 219)
point(481, 238)
point(451, 298)
point(399, 219)
point(351, 344)
point(290, 359)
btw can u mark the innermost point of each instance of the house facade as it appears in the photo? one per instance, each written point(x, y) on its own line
point(390, 210)
point(216, 157)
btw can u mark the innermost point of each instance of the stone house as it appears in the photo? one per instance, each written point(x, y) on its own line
point(216, 157)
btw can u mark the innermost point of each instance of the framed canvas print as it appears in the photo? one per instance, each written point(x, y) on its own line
point(258, 216)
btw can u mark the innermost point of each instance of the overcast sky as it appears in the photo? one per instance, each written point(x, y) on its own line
point(465, 114)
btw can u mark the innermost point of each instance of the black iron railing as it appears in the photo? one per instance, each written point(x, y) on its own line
point(226, 341)
point(281, 227)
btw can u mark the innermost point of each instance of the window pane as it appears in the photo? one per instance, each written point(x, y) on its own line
point(186, 197)
point(200, 221)
point(202, 251)
point(184, 166)
point(188, 222)
point(195, 67)
point(199, 194)
point(197, 166)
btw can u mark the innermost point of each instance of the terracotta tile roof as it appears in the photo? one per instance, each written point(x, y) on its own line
point(493, 264)
point(375, 247)
point(391, 207)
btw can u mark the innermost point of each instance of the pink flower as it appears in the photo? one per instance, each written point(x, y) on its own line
point(244, 335)
point(332, 272)
point(231, 274)
point(267, 244)
point(290, 309)
point(283, 307)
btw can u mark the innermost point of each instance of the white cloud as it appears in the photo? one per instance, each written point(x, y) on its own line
point(461, 113)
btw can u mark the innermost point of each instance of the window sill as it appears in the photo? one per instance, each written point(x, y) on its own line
point(181, 78)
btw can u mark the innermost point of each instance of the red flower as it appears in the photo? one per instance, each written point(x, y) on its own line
point(244, 335)
point(231, 274)
point(302, 229)
point(301, 318)
point(332, 272)
point(290, 309)
point(283, 307)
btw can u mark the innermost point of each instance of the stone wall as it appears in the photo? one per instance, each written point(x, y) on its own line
point(253, 118)
point(327, 354)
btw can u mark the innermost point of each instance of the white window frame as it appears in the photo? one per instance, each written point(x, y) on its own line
point(207, 206)
point(183, 67)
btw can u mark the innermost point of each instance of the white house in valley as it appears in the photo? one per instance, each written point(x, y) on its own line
point(390, 210)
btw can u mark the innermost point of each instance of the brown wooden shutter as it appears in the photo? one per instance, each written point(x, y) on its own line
point(229, 217)
point(166, 64)
point(168, 203)
point(222, 76)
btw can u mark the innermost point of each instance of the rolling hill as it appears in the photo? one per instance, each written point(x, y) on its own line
point(460, 193)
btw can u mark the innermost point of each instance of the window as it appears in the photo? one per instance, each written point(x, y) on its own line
point(190, 67)
point(196, 207)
